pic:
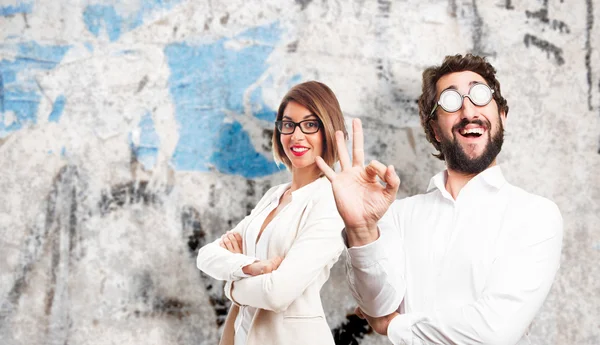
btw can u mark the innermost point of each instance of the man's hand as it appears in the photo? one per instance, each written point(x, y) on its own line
point(360, 199)
point(232, 241)
point(263, 266)
point(379, 324)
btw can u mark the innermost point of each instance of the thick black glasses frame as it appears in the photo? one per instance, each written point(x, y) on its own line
point(279, 125)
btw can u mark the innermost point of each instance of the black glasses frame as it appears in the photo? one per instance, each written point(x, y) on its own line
point(279, 126)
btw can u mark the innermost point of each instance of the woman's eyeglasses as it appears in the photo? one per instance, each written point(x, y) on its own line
point(306, 126)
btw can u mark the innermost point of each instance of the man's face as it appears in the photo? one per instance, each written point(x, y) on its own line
point(471, 137)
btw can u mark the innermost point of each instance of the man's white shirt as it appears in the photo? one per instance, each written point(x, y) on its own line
point(474, 270)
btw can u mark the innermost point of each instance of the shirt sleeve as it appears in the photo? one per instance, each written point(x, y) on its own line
point(221, 264)
point(318, 245)
point(518, 284)
point(376, 271)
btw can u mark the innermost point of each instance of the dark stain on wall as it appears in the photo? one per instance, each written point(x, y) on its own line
point(267, 134)
point(384, 7)
point(292, 47)
point(351, 331)
point(62, 204)
point(127, 193)
point(588, 49)
point(477, 34)
point(542, 15)
point(158, 306)
point(508, 5)
point(303, 3)
point(190, 222)
point(142, 84)
point(191, 226)
point(224, 19)
point(452, 8)
point(40, 242)
point(171, 307)
point(549, 48)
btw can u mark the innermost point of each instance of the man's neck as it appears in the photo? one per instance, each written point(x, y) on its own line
point(455, 181)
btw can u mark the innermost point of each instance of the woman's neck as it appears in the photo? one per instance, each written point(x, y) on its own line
point(303, 176)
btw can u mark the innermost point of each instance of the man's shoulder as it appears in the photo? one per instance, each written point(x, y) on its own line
point(527, 201)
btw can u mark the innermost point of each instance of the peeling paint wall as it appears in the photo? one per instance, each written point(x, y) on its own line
point(131, 133)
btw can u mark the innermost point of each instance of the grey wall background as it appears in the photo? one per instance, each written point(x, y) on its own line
point(131, 133)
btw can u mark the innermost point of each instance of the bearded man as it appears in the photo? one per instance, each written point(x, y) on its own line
point(472, 260)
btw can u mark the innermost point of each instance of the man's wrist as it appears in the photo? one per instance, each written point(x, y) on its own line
point(358, 237)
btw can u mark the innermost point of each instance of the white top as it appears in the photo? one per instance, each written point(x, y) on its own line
point(256, 251)
point(474, 270)
point(306, 234)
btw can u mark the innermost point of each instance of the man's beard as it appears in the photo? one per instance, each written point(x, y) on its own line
point(457, 159)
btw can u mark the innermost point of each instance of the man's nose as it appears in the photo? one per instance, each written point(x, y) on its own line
point(469, 110)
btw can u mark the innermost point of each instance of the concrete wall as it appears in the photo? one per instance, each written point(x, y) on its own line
point(131, 133)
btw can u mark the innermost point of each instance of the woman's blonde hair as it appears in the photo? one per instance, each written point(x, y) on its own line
point(321, 102)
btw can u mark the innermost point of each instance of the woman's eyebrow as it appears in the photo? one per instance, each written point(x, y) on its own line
point(305, 117)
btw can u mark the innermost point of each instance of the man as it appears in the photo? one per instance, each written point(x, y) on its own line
point(472, 260)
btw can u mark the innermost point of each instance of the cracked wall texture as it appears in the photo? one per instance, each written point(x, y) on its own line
point(131, 133)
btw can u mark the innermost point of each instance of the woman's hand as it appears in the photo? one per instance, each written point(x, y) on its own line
point(360, 199)
point(232, 241)
point(262, 266)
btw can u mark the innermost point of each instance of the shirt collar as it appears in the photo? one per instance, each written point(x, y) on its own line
point(491, 176)
point(302, 192)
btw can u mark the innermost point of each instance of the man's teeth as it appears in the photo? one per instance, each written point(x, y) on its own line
point(477, 130)
point(299, 149)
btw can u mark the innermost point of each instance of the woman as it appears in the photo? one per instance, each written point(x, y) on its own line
point(276, 260)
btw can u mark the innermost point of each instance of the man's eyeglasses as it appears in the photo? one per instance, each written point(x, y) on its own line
point(306, 126)
point(451, 101)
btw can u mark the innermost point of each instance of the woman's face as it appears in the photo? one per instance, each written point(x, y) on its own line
point(301, 148)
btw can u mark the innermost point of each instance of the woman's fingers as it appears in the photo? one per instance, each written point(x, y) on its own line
point(234, 243)
point(342, 150)
point(238, 238)
point(325, 168)
point(358, 151)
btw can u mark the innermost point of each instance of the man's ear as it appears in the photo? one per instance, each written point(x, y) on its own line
point(434, 126)
point(503, 118)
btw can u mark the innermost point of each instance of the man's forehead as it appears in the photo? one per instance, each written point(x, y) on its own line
point(456, 80)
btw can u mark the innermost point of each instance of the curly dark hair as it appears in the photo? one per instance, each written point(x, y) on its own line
point(451, 64)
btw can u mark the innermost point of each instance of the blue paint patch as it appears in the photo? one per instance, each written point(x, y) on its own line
point(236, 156)
point(20, 97)
point(57, 109)
point(96, 17)
point(259, 109)
point(99, 16)
point(206, 82)
point(146, 151)
point(22, 7)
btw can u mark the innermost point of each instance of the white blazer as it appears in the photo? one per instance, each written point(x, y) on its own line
point(307, 236)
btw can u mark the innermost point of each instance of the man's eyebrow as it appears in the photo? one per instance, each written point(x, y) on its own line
point(454, 87)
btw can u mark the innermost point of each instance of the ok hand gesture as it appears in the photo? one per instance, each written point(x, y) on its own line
point(360, 199)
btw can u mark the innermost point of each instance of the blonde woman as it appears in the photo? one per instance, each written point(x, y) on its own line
point(276, 260)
